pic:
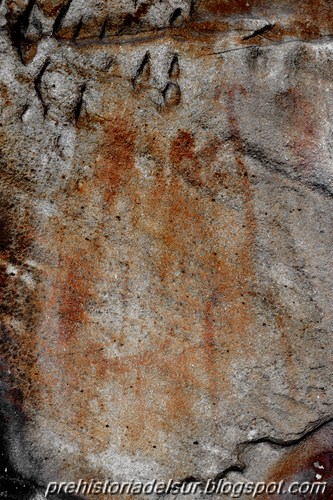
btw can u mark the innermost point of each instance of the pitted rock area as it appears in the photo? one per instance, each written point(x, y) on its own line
point(166, 241)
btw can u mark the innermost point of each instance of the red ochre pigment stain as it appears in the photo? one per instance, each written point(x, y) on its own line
point(198, 291)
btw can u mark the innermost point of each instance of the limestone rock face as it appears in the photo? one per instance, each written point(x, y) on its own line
point(166, 240)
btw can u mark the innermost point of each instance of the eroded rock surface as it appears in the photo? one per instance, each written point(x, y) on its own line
point(166, 238)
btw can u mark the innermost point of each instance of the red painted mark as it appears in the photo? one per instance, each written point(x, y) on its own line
point(113, 169)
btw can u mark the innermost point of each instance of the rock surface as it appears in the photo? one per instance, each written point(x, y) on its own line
point(166, 240)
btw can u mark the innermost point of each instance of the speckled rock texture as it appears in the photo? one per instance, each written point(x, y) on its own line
point(166, 240)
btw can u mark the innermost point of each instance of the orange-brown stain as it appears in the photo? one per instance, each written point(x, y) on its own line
point(50, 7)
point(114, 170)
point(227, 7)
point(305, 461)
point(19, 308)
point(199, 288)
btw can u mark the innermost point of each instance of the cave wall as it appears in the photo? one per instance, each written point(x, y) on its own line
point(166, 240)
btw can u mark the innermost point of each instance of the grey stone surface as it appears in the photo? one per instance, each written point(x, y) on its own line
point(166, 239)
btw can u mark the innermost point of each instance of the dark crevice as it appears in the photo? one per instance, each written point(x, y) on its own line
point(79, 104)
point(77, 30)
point(192, 8)
point(274, 165)
point(145, 61)
point(143, 72)
point(241, 467)
point(318, 186)
point(165, 91)
point(104, 29)
point(171, 94)
point(12, 421)
point(38, 86)
point(190, 479)
point(287, 443)
point(109, 64)
point(19, 27)
point(153, 34)
point(232, 468)
point(24, 110)
point(174, 16)
point(62, 13)
point(174, 67)
point(13, 485)
point(260, 31)
point(23, 20)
